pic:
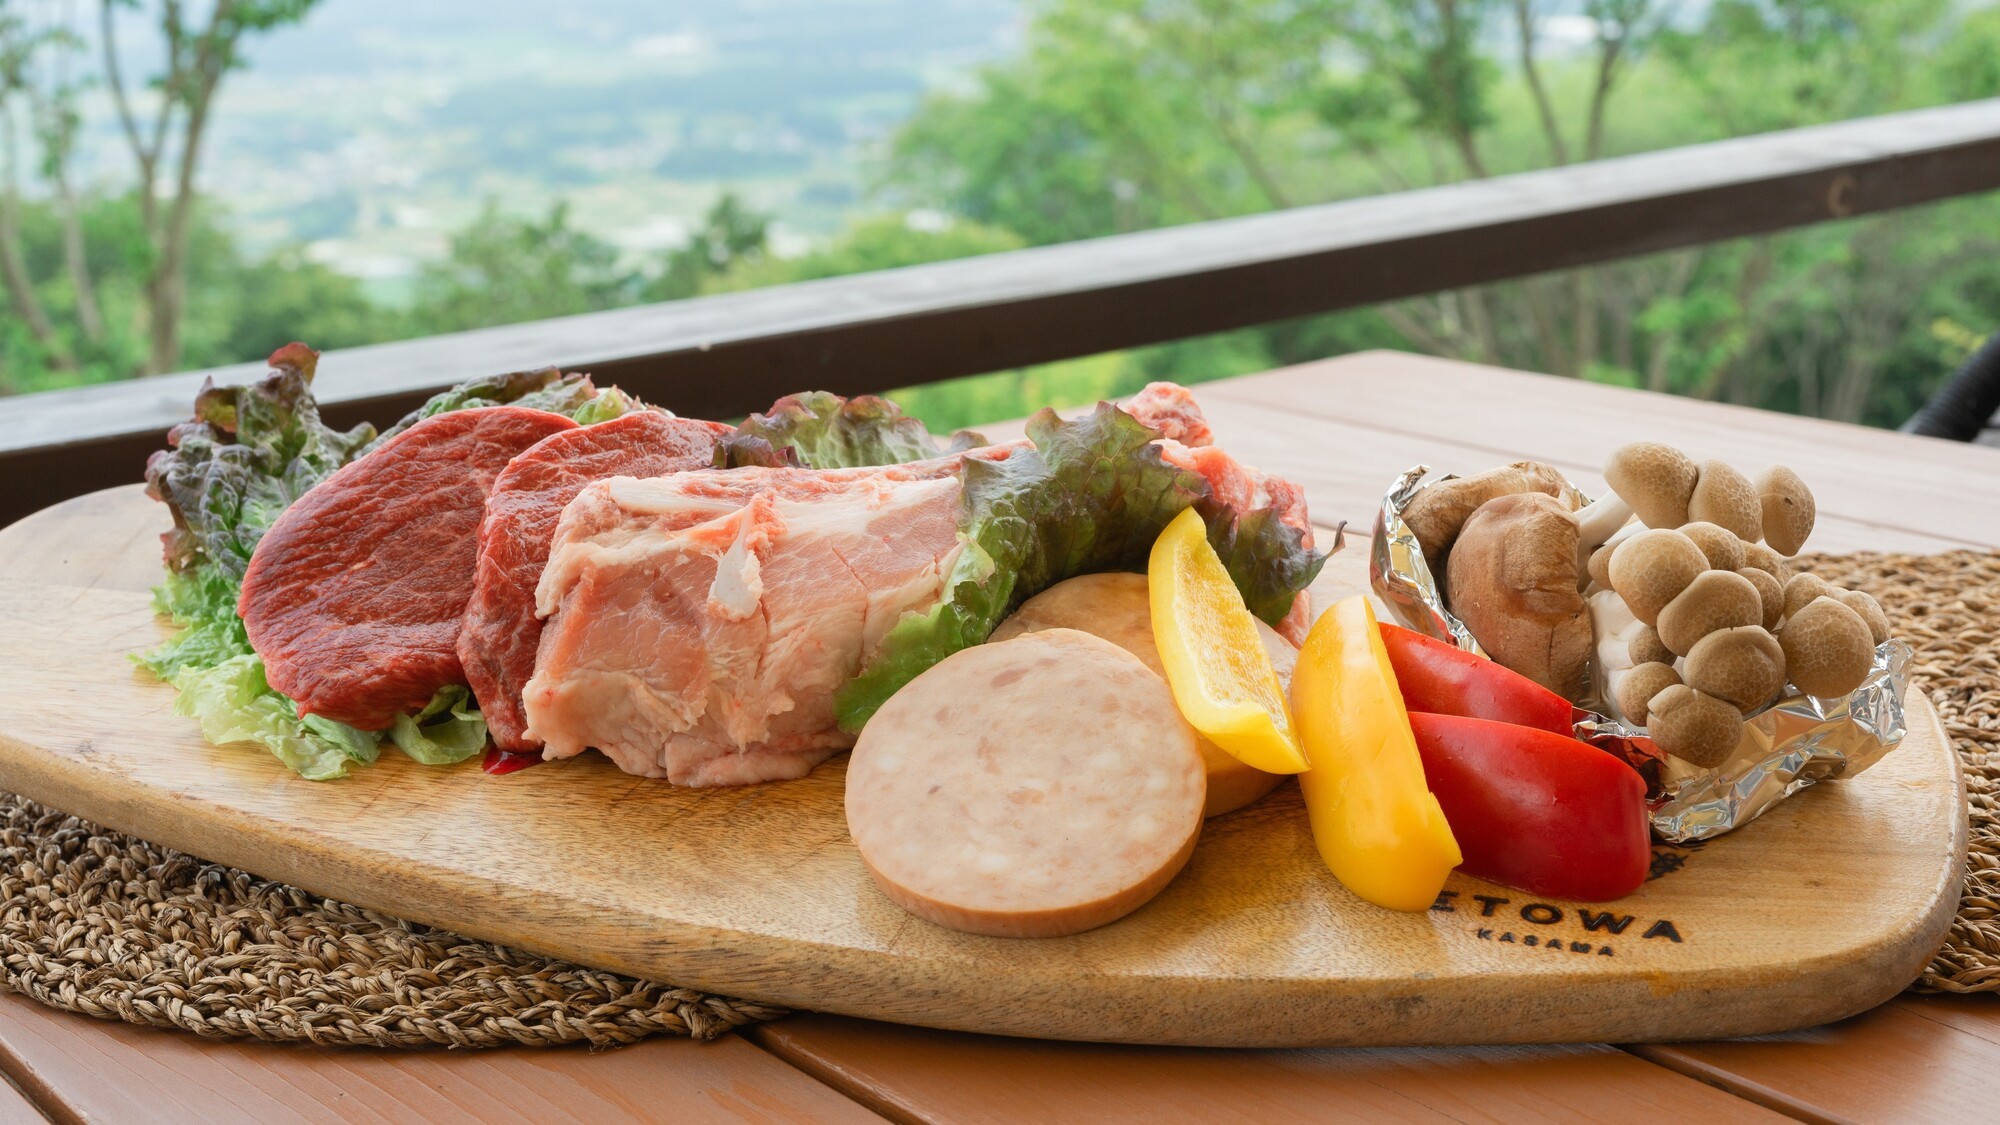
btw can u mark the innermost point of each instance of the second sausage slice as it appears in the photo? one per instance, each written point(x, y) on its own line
point(1032, 788)
point(1115, 606)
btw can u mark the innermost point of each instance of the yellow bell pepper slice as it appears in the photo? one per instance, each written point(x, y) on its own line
point(1377, 825)
point(1215, 662)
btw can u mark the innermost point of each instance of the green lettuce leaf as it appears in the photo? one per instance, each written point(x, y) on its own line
point(232, 703)
point(1091, 495)
point(819, 430)
point(571, 394)
point(244, 457)
point(607, 404)
point(449, 729)
point(247, 453)
point(1267, 558)
point(202, 601)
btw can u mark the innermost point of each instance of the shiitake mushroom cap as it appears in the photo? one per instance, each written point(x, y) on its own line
point(1645, 647)
point(1864, 603)
point(1763, 558)
point(1804, 589)
point(1723, 548)
point(1656, 480)
point(1770, 591)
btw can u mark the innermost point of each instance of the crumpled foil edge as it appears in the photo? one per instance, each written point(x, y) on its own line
point(1794, 743)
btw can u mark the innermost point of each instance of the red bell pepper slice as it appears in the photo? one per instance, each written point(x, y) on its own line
point(1441, 679)
point(1535, 810)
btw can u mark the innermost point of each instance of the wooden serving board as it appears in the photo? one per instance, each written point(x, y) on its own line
point(1826, 906)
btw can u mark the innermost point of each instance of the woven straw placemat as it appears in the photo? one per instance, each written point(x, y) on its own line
point(1948, 606)
point(111, 926)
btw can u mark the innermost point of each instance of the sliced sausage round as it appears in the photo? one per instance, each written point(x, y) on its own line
point(1115, 606)
point(1032, 788)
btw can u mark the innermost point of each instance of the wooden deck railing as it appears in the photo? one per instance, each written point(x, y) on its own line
point(724, 355)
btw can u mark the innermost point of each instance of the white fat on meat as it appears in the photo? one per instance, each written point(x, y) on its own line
point(699, 624)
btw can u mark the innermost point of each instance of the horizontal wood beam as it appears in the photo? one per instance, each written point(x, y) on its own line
point(727, 354)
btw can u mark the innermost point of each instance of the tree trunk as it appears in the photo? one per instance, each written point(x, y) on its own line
point(1415, 331)
point(1755, 322)
point(166, 289)
point(1524, 22)
point(13, 263)
point(1548, 334)
point(1659, 365)
point(21, 289)
point(1583, 287)
point(145, 154)
point(1254, 164)
point(1481, 323)
point(1611, 284)
point(88, 316)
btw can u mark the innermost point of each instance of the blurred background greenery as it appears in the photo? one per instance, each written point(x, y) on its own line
point(186, 186)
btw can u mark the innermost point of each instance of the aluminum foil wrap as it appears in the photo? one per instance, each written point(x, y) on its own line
point(1791, 744)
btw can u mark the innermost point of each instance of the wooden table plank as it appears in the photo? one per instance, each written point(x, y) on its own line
point(1345, 468)
point(951, 1077)
point(80, 1069)
point(16, 1109)
point(1919, 485)
point(1928, 1058)
point(1977, 1014)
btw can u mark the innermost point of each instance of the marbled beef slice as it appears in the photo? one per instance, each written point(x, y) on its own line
point(355, 596)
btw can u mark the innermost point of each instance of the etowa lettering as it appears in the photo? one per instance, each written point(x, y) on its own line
point(1608, 923)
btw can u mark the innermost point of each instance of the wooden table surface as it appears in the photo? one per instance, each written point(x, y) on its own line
point(1342, 428)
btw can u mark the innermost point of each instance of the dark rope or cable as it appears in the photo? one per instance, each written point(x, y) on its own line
point(1967, 402)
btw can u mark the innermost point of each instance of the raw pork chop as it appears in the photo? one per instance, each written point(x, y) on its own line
point(1186, 442)
point(355, 595)
point(1171, 409)
point(702, 622)
point(497, 645)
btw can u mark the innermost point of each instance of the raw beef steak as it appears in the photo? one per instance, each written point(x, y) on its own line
point(355, 596)
point(497, 645)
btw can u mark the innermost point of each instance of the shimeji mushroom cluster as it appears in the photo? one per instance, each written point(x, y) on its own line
point(1674, 588)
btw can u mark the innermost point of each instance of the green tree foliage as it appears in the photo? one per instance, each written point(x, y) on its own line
point(284, 297)
point(1123, 114)
point(40, 53)
point(731, 234)
point(505, 268)
point(166, 146)
point(882, 242)
point(239, 309)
